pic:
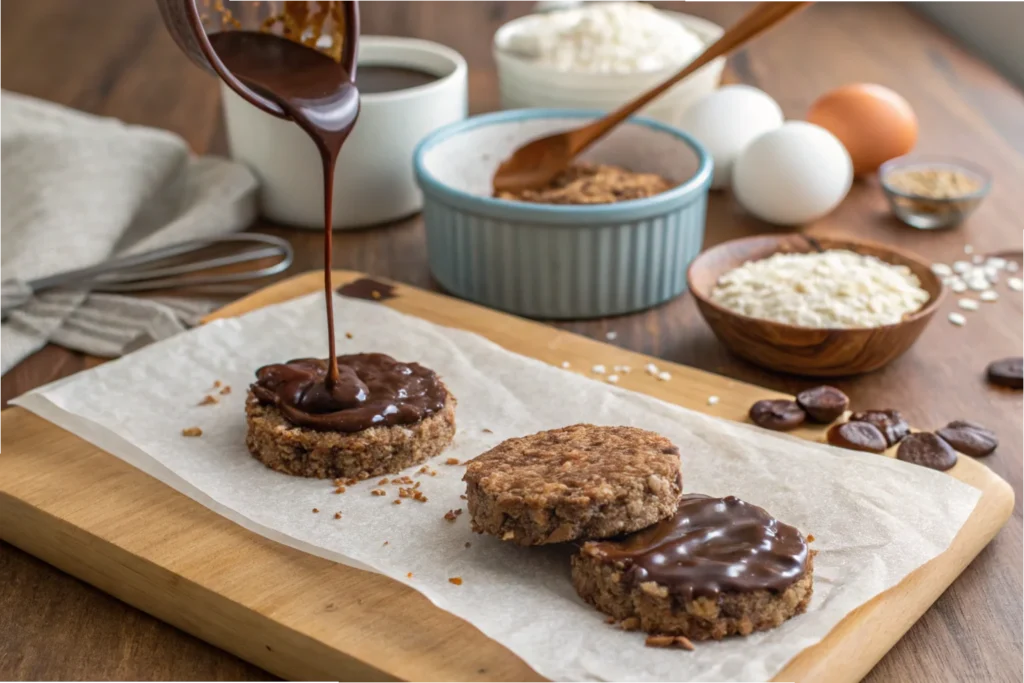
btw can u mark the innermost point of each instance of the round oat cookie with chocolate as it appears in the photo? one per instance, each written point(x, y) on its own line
point(927, 450)
point(379, 417)
point(717, 567)
point(581, 481)
point(890, 422)
point(970, 438)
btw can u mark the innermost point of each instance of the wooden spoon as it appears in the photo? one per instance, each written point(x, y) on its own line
point(538, 162)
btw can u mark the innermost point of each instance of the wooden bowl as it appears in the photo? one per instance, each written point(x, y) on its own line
point(805, 350)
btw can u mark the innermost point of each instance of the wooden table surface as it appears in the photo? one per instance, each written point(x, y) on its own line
point(113, 57)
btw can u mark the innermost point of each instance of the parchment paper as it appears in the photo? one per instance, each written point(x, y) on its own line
point(874, 519)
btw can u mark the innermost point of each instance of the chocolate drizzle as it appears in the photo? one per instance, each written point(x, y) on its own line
point(368, 289)
point(711, 545)
point(372, 390)
point(318, 94)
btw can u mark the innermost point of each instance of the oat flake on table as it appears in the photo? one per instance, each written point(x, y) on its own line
point(874, 519)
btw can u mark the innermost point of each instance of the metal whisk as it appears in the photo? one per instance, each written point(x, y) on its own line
point(164, 269)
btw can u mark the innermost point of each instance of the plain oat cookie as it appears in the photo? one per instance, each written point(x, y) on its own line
point(581, 481)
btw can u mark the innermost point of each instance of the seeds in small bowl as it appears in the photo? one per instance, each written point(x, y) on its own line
point(933, 194)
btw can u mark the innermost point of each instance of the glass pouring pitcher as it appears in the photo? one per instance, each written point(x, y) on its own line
point(332, 27)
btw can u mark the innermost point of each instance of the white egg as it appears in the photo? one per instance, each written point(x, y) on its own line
point(728, 120)
point(794, 174)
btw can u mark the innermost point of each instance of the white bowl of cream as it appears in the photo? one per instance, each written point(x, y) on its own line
point(601, 55)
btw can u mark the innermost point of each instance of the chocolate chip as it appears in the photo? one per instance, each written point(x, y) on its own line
point(1006, 372)
point(823, 404)
point(778, 414)
point(889, 422)
point(970, 438)
point(927, 450)
point(857, 436)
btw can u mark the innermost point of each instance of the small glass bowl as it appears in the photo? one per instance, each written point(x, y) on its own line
point(931, 213)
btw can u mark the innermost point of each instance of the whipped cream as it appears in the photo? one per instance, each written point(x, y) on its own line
point(605, 37)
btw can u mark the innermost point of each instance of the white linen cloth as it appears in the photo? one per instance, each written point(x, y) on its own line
point(79, 189)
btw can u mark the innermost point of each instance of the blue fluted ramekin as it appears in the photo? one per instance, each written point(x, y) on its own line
point(560, 261)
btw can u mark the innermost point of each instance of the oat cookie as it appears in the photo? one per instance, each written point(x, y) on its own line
point(306, 452)
point(732, 569)
point(581, 481)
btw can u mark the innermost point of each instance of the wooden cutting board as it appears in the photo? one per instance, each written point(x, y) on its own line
point(306, 618)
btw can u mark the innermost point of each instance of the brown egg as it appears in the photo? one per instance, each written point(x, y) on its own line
point(874, 123)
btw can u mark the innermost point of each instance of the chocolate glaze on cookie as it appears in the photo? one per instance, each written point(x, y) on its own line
point(710, 546)
point(372, 390)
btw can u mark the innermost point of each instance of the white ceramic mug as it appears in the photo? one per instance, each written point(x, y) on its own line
point(374, 179)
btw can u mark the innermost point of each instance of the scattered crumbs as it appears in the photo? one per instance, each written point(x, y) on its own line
point(385, 542)
point(340, 489)
point(463, 496)
point(989, 295)
point(629, 624)
point(362, 476)
point(225, 391)
point(565, 365)
point(382, 481)
point(216, 383)
point(413, 493)
point(457, 580)
point(968, 304)
point(337, 515)
point(624, 369)
point(712, 400)
point(810, 538)
point(375, 294)
point(1015, 283)
point(433, 473)
point(613, 379)
point(451, 461)
point(651, 369)
point(669, 641)
point(409, 575)
point(423, 470)
point(316, 510)
point(957, 319)
point(610, 336)
point(468, 544)
point(396, 481)
point(664, 376)
point(192, 431)
point(968, 249)
point(397, 502)
point(598, 369)
point(208, 400)
point(378, 492)
point(487, 431)
point(348, 335)
point(452, 514)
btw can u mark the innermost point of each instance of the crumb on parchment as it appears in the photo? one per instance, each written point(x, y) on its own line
point(192, 431)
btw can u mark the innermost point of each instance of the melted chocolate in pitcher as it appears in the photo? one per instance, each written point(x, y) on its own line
point(318, 93)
